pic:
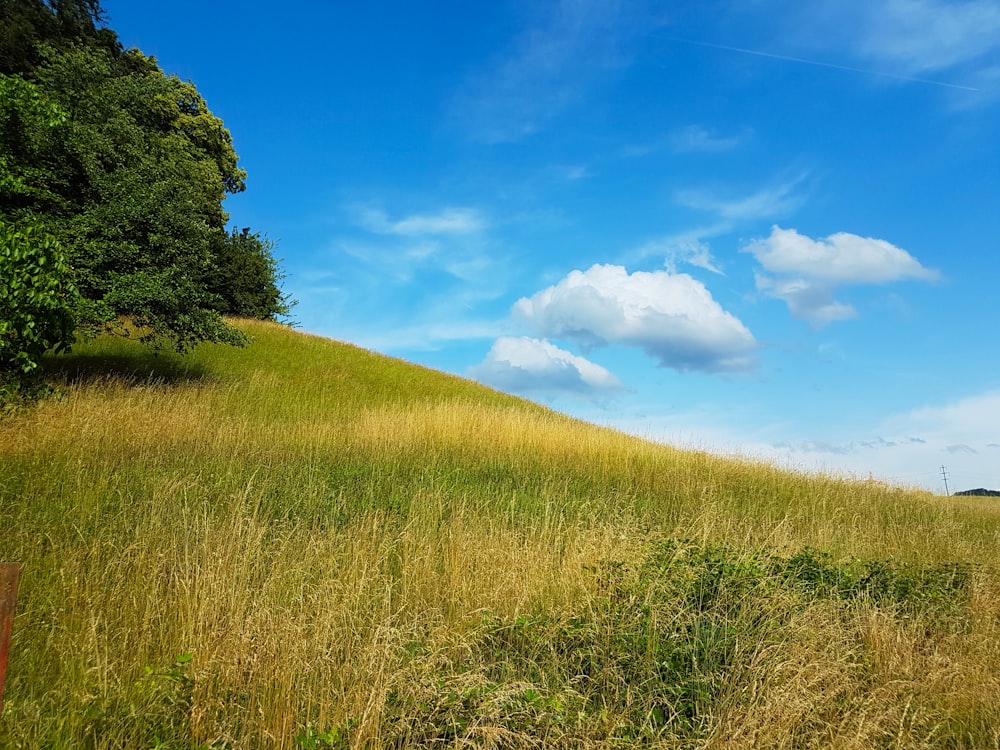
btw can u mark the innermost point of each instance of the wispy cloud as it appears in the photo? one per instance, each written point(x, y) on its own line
point(951, 44)
point(531, 366)
point(399, 281)
point(768, 203)
point(923, 36)
point(826, 64)
point(684, 247)
point(431, 334)
point(672, 317)
point(567, 47)
point(393, 261)
point(577, 172)
point(906, 448)
point(452, 240)
point(913, 446)
point(970, 420)
point(699, 139)
point(961, 448)
point(727, 211)
point(446, 221)
point(809, 271)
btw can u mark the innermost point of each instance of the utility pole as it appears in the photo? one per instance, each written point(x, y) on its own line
point(944, 476)
point(9, 573)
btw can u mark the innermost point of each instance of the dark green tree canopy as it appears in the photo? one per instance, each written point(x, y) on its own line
point(127, 169)
point(25, 24)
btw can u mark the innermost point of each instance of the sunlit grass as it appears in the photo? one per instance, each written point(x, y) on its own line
point(346, 550)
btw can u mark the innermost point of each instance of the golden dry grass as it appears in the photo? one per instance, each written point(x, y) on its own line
point(359, 553)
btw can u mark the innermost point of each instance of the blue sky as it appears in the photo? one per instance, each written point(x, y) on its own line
point(765, 228)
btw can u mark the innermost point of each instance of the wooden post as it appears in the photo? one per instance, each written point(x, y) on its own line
point(9, 573)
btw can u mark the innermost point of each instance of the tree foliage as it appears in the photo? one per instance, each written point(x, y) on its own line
point(36, 297)
point(25, 24)
point(245, 277)
point(125, 168)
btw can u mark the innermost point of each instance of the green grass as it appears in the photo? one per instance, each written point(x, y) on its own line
point(301, 544)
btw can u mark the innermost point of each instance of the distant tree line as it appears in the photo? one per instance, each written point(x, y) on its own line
point(112, 177)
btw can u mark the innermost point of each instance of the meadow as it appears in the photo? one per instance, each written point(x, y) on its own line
point(301, 544)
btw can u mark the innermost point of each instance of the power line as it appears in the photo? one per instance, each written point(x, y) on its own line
point(944, 476)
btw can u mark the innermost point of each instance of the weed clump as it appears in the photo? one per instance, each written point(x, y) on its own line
point(663, 650)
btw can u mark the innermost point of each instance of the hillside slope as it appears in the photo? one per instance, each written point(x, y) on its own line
point(303, 544)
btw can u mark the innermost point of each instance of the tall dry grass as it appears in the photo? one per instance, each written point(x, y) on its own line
point(303, 545)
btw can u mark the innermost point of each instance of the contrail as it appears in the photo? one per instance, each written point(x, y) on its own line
point(817, 63)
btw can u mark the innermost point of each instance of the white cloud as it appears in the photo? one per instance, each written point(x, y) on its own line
point(446, 221)
point(806, 300)
point(533, 366)
point(841, 258)
point(672, 317)
point(809, 271)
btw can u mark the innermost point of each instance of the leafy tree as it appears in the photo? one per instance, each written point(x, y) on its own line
point(126, 168)
point(245, 277)
point(148, 167)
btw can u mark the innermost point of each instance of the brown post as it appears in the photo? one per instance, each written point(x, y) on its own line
point(9, 573)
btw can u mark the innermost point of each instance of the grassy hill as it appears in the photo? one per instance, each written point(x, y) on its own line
point(301, 544)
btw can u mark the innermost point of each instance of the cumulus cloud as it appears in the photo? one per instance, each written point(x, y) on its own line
point(531, 366)
point(672, 317)
point(841, 258)
point(446, 221)
point(809, 271)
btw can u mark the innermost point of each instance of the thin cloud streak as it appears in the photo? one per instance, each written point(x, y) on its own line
point(766, 203)
point(698, 139)
point(821, 64)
